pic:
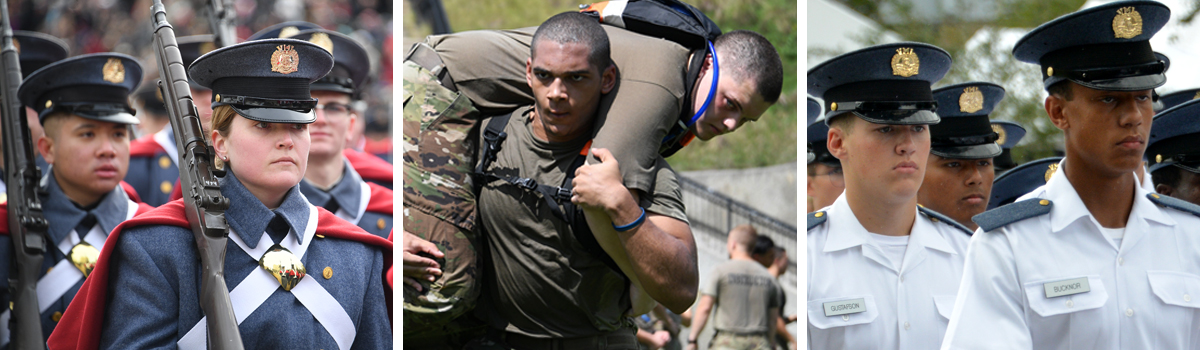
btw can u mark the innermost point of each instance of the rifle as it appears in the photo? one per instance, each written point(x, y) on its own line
point(26, 225)
point(204, 205)
point(220, 17)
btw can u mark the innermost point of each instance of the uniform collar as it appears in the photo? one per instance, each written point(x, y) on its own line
point(63, 215)
point(1068, 207)
point(847, 232)
point(348, 191)
point(248, 217)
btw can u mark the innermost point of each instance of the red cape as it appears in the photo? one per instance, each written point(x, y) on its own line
point(381, 199)
point(80, 326)
point(145, 147)
point(142, 208)
point(368, 166)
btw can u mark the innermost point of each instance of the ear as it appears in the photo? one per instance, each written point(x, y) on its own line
point(1055, 108)
point(608, 79)
point(529, 71)
point(219, 145)
point(809, 184)
point(45, 146)
point(350, 125)
point(837, 143)
point(1164, 189)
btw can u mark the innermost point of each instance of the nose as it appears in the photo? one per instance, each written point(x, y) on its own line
point(558, 90)
point(732, 123)
point(286, 141)
point(1135, 114)
point(107, 149)
point(907, 145)
point(976, 177)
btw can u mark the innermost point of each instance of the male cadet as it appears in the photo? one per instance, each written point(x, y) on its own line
point(1010, 134)
point(746, 297)
point(958, 177)
point(36, 50)
point(82, 103)
point(825, 178)
point(1091, 260)
point(330, 181)
point(1021, 180)
point(543, 288)
point(882, 270)
point(1174, 152)
point(153, 158)
point(1176, 98)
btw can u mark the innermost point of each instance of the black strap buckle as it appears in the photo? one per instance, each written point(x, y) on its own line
point(526, 183)
point(562, 194)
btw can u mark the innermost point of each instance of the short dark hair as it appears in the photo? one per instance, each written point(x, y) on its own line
point(1168, 175)
point(575, 27)
point(749, 55)
point(1061, 89)
point(762, 245)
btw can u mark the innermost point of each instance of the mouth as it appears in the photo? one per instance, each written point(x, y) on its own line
point(975, 199)
point(906, 167)
point(558, 115)
point(1132, 142)
point(284, 160)
point(106, 171)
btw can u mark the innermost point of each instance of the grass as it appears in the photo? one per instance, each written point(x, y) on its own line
point(770, 141)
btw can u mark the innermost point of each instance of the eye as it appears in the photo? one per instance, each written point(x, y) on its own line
point(1143, 98)
point(119, 134)
point(885, 129)
point(262, 125)
point(918, 128)
point(541, 75)
point(1108, 99)
point(299, 126)
point(952, 164)
point(578, 78)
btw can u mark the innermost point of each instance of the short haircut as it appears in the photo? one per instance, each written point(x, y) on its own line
point(744, 235)
point(843, 122)
point(749, 55)
point(1061, 89)
point(763, 245)
point(575, 27)
point(1168, 175)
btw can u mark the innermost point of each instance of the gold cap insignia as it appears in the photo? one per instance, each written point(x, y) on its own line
point(322, 40)
point(84, 256)
point(1003, 134)
point(1197, 97)
point(207, 47)
point(49, 103)
point(905, 62)
point(1127, 24)
point(285, 60)
point(1158, 158)
point(114, 71)
point(283, 265)
point(1050, 171)
point(833, 106)
point(288, 32)
point(971, 100)
point(1049, 71)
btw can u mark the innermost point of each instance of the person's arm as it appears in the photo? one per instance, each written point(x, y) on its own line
point(661, 250)
point(989, 311)
point(654, 340)
point(417, 267)
point(781, 329)
point(700, 317)
point(143, 306)
point(771, 331)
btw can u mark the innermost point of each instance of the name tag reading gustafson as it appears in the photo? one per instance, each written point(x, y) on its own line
point(1067, 287)
point(844, 307)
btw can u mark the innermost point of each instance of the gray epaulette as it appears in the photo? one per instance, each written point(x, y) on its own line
point(816, 218)
point(936, 216)
point(1012, 212)
point(1174, 203)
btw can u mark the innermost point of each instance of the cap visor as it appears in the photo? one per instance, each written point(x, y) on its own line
point(276, 115)
point(1138, 83)
point(987, 150)
point(904, 117)
point(119, 118)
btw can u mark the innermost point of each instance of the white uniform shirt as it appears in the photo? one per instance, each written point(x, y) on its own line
point(1143, 294)
point(904, 307)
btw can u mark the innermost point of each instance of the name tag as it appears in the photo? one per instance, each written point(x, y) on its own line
point(844, 307)
point(1067, 287)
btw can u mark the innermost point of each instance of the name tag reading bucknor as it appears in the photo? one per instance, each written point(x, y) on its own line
point(1067, 287)
point(844, 307)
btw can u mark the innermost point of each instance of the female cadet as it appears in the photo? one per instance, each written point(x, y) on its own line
point(148, 297)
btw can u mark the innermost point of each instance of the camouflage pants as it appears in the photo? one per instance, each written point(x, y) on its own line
point(439, 203)
point(734, 341)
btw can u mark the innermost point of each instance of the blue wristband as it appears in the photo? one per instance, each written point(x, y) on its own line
point(633, 224)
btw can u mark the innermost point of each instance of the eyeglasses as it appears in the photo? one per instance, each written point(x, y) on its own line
point(334, 110)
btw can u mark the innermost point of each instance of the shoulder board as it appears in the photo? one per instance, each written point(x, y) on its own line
point(1174, 203)
point(1013, 212)
point(936, 216)
point(816, 218)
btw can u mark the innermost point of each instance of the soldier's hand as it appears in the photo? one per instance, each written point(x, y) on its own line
point(417, 267)
point(599, 186)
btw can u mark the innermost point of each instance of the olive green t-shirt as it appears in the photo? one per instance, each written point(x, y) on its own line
point(745, 293)
point(540, 281)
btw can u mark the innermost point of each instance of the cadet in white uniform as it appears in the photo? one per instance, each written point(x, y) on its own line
point(1091, 260)
point(882, 271)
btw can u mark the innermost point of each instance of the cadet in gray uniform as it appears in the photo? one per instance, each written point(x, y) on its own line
point(745, 296)
point(83, 104)
point(882, 271)
point(1174, 152)
point(330, 181)
point(958, 179)
point(1092, 259)
point(543, 288)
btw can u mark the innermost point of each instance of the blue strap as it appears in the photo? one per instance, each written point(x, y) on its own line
point(712, 91)
point(635, 223)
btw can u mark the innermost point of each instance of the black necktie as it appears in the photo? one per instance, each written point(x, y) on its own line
point(277, 228)
point(85, 225)
point(332, 205)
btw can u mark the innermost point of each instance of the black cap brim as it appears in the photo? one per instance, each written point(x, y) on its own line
point(276, 115)
point(987, 150)
point(1138, 83)
point(331, 87)
point(896, 117)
